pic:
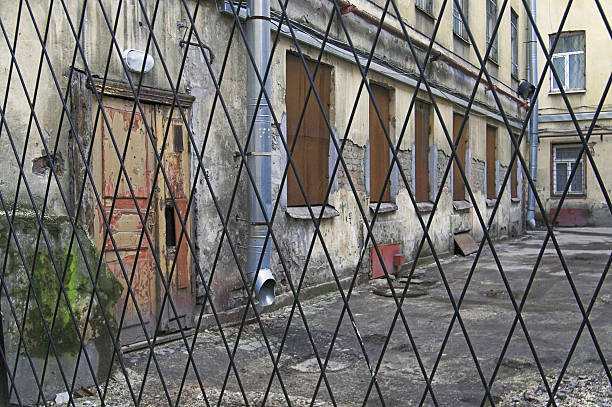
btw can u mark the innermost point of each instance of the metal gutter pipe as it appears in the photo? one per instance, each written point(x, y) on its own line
point(533, 123)
point(259, 152)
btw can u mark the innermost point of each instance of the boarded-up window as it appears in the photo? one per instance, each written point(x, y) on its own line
point(491, 155)
point(458, 184)
point(312, 147)
point(379, 147)
point(421, 153)
point(514, 174)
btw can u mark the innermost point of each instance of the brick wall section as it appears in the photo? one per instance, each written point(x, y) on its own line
point(405, 160)
point(354, 157)
point(443, 159)
point(477, 176)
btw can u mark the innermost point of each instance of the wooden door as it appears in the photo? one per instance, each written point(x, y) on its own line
point(379, 146)
point(138, 262)
point(458, 184)
point(175, 251)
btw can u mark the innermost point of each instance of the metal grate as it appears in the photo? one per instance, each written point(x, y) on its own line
point(129, 230)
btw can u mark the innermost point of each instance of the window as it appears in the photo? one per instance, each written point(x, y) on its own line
point(425, 5)
point(564, 160)
point(458, 184)
point(491, 164)
point(514, 173)
point(311, 154)
point(421, 151)
point(379, 147)
point(491, 20)
point(569, 61)
point(514, 43)
point(458, 24)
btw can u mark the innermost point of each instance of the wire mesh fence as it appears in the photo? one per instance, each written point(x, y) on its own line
point(181, 178)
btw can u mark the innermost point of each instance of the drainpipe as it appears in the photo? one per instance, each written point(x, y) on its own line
point(259, 152)
point(533, 123)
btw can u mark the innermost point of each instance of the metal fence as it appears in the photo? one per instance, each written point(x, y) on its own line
point(102, 242)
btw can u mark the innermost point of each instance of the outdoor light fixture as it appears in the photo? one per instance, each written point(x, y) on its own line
point(134, 59)
point(526, 90)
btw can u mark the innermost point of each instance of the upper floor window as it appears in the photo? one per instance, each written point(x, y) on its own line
point(514, 43)
point(491, 20)
point(458, 24)
point(425, 5)
point(564, 159)
point(569, 61)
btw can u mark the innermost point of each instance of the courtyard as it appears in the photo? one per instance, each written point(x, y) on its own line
point(550, 314)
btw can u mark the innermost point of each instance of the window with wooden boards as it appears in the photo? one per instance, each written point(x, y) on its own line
point(311, 154)
point(421, 150)
point(379, 147)
point(461, 148)
point(491, 157)
point(514, 173)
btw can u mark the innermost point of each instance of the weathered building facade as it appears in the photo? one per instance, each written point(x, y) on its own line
point(168, 219)
point(583, 69)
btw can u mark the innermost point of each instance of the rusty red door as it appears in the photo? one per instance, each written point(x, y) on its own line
point(148, 278)
point(174, 250)
point(125, 223)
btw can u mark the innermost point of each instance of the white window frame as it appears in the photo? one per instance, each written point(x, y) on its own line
point(568, 164)
point(458, 22)
point(566, 64)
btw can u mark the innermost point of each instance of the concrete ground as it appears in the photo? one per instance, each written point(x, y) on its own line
point(551, 315)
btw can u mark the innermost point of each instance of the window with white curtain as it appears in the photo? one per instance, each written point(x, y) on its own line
point(491, 20)
point(514, 43)
point(569, 61)
point(458, 24)
point(564, 160)
point(425, 5)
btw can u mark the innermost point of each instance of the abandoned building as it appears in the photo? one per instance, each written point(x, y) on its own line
point(354, 159)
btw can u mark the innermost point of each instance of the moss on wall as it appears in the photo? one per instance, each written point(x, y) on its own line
point(49, 266)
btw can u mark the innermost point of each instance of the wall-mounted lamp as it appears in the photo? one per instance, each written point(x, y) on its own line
point(526, 90)
point(134, 59)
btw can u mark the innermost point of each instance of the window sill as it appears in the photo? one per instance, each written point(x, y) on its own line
point(491, 202)
point(462, 205)
point(301, 212)
point(567, 91)
point(424, 207)
point(494, 61)
point(515, 200)
point(425, 12)
point(385, 207)
point(466, 41)
point(569, 196)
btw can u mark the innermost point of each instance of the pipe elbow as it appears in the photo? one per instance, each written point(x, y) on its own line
point(264, 287)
